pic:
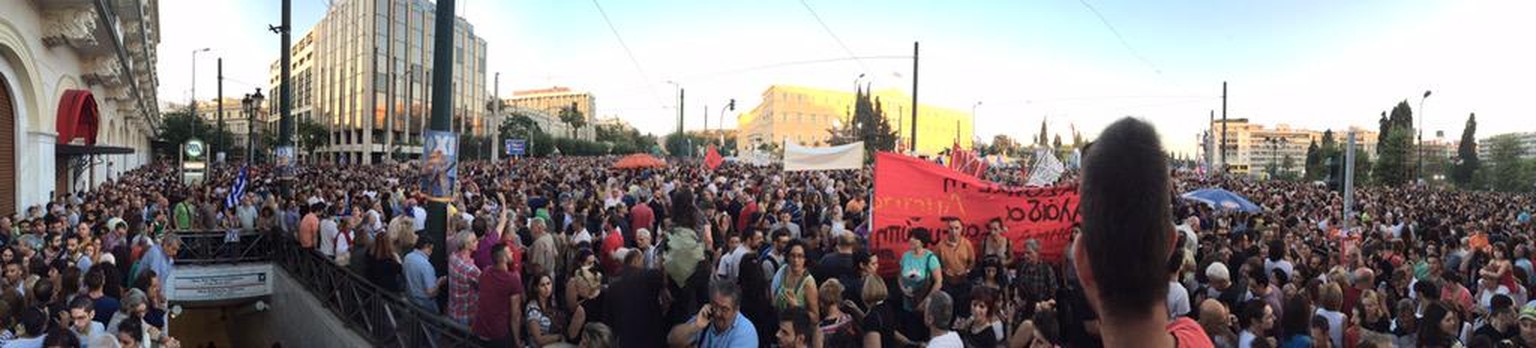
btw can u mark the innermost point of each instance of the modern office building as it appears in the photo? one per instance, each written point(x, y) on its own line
point(544, 106)
point(365, 72)
point(1527, 142)
point(804, 115)
point(78, 101)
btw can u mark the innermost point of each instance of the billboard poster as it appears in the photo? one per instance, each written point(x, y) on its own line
point(439, 165)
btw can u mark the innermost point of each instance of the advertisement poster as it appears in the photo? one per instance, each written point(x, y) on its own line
point(439, 165)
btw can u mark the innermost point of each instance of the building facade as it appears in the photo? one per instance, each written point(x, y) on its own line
point(544, 105)
point(1252, 148)
point(235, 121)
point(804, 115)
point(77, 95)
point(365, 72)
point(1527, 142)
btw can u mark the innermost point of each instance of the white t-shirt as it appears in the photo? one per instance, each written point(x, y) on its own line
point(328, 231)
point(1245, 339)
point(1335, 325)
point(418, 214)
point(949, 339)
point(1178, 300)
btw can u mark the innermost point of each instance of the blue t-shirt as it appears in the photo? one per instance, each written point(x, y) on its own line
point(741, 334)
point(419, 274)
point(106, 306)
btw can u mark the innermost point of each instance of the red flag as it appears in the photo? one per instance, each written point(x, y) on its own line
point(956, 157)
point(712, 158)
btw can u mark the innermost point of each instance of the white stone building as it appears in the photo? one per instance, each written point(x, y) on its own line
point(77, 94)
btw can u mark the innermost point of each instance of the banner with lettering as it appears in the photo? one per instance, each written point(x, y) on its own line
point(910, 192)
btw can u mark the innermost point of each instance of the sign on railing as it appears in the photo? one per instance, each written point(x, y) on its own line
point(220, 282)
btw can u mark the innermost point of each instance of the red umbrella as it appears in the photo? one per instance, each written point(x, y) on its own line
point(639, 160)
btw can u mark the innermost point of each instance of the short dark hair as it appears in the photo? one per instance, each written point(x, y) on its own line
point(1252, 312)
point(82, 302)
point(800, 319)
point(921, 234)
point(1125, 214)
point(727, 289)
point(423, 243)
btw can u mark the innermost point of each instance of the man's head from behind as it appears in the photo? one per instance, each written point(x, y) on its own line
point(1127, 231)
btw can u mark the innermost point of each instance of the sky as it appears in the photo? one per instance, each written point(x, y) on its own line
point(1074, 64)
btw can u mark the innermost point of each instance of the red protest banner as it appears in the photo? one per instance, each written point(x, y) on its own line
point(910, 192)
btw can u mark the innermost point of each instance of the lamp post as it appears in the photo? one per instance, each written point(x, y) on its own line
point(1421, 135)
point(730, 106)
point(246, 109)
point(192, 104)
point(679, 106)
point(1274, 154)
point(973, 123)
point(256, 101)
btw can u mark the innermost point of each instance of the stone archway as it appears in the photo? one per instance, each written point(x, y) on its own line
point(7, 149)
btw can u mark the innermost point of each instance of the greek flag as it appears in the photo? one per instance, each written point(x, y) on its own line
point(238, 191)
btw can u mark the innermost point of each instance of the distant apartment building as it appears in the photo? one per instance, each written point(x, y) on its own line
point(544, 105)
point(803, 115)
point(1527, 141)
point(365, 72)
point(1252, 148)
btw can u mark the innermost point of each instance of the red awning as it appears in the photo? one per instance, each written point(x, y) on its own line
point(77, 116)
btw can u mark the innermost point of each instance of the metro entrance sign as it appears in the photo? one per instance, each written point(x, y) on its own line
point(194, 162)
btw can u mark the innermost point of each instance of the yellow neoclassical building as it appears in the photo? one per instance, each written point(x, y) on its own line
point(804, 115)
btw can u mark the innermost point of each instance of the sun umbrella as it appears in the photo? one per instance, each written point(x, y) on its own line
point(639, 160)
point(1222, 199)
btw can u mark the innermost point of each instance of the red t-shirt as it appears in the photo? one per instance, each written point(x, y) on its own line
point(1188, 334)
point(641, 216)
point(494, 314)
point(612, 242)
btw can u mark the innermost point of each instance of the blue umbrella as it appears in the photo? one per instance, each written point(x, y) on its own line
point(1222, 200)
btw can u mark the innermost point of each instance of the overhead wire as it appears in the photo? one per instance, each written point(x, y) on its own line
point(834, 36)
point(627, 52)
point(1127, 45)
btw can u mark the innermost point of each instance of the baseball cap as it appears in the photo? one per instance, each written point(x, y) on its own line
point(1528, 313)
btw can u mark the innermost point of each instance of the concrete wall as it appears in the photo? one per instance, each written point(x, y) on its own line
point(296, 319)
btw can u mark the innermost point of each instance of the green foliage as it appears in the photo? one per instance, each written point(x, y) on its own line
point(517, 126)
point(625, 140)
point(1466, 153)
point(474, 147)
point(1392, 169)
point(684, 144)
point(1507, 171)
point(1004, 144)
point(1401, 117)
point(1313, 165)
point(573, 117)
point(178, 127)
point(311, 136)
point(867, 124)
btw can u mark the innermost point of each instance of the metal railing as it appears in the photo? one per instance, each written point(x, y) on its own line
point(206, 247)
point(383, 317)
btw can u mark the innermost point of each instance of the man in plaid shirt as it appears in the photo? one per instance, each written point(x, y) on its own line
point(462, 276)
point(1036, 279)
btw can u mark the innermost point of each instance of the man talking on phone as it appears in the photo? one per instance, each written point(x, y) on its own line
point(719, 324)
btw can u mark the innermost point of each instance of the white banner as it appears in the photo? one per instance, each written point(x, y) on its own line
point(798, 158)
point(1046, 170)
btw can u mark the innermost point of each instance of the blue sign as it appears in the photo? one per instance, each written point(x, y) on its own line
point(439, 164)
point(516, 147)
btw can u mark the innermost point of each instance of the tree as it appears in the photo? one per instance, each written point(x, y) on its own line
point(1507, 171)
point(518, 126)
point(1391, 168)
point(1313, 165)
point(867, 124)
point(312, 135)
point(1362, 166)
point(1004, 144)
point(1042, 141)
point(1056, 142)
point(573, 117)
point(1466, 153)
point(1286, 163)
point(176, 128)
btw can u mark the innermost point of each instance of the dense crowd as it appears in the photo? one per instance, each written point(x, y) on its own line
point(567, 251)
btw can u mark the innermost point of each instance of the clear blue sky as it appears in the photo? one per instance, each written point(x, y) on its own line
point(1315, 64)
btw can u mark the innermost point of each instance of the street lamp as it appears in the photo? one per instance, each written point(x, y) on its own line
point(730, 106)
point(192, 105)
point(1421, 135)
point(250, 125)
point(1274, 154)
point(973, 122)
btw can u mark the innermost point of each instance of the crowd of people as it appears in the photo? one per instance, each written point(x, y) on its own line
point(567, 251)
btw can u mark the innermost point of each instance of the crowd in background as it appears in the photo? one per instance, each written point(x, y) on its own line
point(567, 251)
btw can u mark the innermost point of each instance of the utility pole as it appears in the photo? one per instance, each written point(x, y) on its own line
point(219, 134)
point(914, 96)
point(1223, 127)
point(442, 120)
point(496, 115)
point(680, 104)
point(1349, 184)
point(285, 99)
point(389, 124)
